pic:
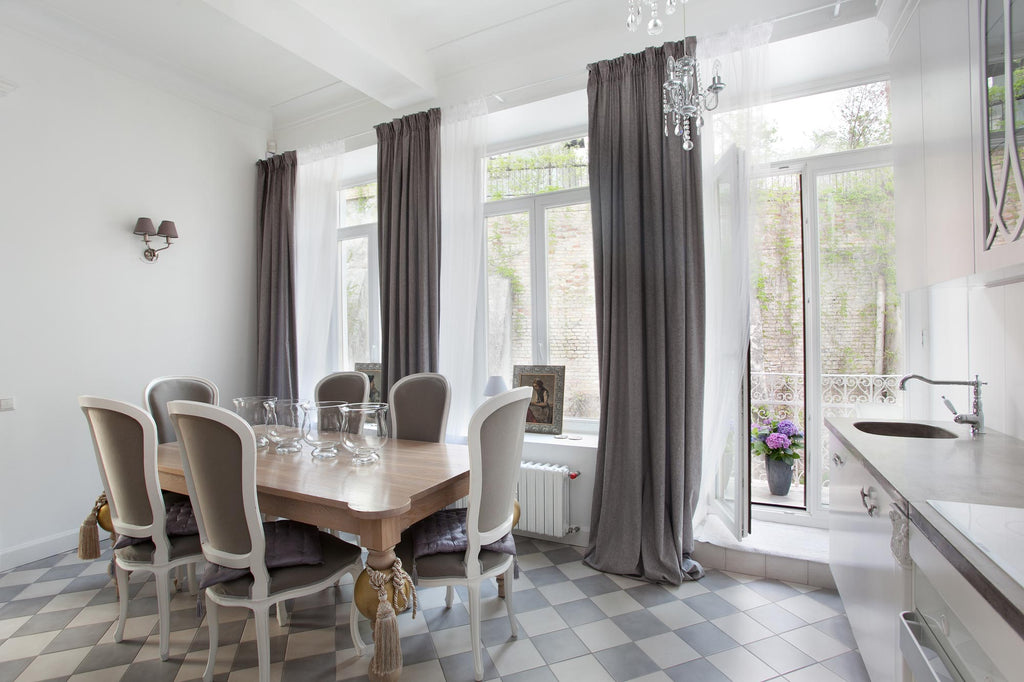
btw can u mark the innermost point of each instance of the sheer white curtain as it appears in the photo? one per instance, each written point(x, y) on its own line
point(316, 261)
point(462, 347)
point(733, 145)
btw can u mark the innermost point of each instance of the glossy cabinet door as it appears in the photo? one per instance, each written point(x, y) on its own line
point(874, 586)
point(938, 183)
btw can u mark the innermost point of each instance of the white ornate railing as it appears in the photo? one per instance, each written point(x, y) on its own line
point(842, 395)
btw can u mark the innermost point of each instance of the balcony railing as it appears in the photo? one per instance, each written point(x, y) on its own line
point(842, 395)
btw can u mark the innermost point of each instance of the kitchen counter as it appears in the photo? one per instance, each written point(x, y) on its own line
point(988, 469)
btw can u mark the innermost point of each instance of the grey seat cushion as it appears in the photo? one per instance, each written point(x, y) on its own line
point(447, 565)
point(337, 554)
point(181, 546)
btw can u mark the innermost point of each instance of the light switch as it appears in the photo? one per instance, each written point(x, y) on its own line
point(6, 404)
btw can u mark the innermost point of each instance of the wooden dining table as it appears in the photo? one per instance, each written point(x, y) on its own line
point(376, 501)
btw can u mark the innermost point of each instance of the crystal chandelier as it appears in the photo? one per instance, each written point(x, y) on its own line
point(684, 99)
point(654, 26)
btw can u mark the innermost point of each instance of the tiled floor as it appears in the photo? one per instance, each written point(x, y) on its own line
point(57, 619)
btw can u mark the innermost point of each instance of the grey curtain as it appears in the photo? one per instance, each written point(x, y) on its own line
point(409, 237)
point(645, 194)
point(276, 357)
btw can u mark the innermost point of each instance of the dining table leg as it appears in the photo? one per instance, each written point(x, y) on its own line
point(374, 597)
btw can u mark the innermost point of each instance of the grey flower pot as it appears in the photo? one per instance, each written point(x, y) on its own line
point(780, 476)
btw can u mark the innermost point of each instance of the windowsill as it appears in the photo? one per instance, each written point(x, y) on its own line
point(575, 440)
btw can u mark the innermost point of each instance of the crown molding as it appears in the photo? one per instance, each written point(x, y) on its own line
point(6, 87)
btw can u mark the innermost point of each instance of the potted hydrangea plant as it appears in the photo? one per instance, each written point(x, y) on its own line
point(780, 442)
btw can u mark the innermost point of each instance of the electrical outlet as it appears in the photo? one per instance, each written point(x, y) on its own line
point(6, 404)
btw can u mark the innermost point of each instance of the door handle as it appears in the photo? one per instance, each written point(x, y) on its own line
point(837, 460)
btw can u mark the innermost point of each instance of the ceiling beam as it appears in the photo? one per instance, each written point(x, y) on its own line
point(345, 39)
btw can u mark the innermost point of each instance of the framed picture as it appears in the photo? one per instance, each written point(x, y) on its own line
point(372, 370)
point(544, 415)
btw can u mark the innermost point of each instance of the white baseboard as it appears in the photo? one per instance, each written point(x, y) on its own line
point(26, 553)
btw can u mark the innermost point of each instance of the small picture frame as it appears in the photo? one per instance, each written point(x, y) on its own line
point(372, 370)
point(544, 415)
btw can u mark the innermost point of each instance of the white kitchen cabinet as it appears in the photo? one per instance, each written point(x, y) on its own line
point(873, 583)
point(938, 184)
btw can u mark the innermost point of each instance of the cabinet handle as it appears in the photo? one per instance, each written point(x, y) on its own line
point(872, 510)
point(864, 495)
point(837, 460)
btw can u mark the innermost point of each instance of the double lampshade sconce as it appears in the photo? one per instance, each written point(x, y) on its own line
point(167, 230)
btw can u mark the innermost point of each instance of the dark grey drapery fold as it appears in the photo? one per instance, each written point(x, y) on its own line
point(409, 237)
point(645, 194)
point(276, 347)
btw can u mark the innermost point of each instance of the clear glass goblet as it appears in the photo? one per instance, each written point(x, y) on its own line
point(365, 430)
point(284, 425)
point(254, 411)
point(322, 424)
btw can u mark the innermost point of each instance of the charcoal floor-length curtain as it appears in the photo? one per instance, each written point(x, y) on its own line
point(276, 347)
point(409, 237)
point(649, 267)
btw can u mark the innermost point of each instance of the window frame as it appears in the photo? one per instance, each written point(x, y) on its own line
point(535, 206)
point(369, 231)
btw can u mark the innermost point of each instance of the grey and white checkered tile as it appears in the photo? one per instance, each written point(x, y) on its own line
point(58, 615)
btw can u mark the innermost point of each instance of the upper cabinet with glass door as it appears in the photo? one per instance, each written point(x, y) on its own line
point(1001, 242)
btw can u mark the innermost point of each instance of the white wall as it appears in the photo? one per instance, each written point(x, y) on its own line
point(84, 152)
point(966, 327)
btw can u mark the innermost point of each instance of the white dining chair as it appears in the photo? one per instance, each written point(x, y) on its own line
point(419, 407)
point(124, 438)
point(218, 451)
point(162, 390)
point(495, 453)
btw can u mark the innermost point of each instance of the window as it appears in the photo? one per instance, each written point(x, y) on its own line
point(358, 277)
point(540, 268)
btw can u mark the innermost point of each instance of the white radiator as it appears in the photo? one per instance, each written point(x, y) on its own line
point(543, 495)
point(544, 498)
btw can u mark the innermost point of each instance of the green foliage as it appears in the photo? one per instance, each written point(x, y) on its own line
point(538, 170)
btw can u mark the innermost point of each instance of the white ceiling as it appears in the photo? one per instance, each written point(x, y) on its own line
point(290, 63)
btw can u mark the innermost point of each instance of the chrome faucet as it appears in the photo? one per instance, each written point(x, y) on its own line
point(976, 418)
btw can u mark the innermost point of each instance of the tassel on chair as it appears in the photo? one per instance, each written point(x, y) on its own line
point(89, 534)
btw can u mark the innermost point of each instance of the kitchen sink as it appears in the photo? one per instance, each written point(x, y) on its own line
point(903, 429)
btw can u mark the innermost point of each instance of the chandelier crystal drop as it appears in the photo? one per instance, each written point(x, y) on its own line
point(684, 99)
point(654, 24)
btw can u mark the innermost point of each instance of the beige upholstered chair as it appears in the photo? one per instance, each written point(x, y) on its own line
point(419, 407)
point(495, 453)
point(124, 437)
point(219, 459)
point(162, 390)
point(352, 387)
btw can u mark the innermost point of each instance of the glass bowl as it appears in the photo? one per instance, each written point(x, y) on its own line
point(253, 410)
point(365, 430)
point(322, 424)
point(284, 424)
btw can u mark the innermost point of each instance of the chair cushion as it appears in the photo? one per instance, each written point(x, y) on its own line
point(288, 543)
point(181, 520)
point(337, 555)
point(445, 531)
point(452, 564)
point(142, 553)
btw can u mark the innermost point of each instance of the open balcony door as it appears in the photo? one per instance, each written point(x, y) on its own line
point(727, 428)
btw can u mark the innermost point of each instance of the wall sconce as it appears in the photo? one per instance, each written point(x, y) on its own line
point(144, 227)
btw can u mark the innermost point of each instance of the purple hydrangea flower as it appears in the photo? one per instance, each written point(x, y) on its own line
point(778, 441)
point(788, 428)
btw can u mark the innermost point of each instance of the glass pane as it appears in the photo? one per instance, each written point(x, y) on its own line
point(509, 309)
point(861, 341)
point(777, 324)
point(572, 316)
point(354, 297)
point(537, 170)
point(359, 206)
point(840, 120)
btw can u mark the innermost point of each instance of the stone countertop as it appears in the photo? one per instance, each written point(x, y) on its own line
point(987, 469)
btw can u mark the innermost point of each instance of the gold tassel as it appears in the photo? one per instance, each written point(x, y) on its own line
point(89, 534)
point(386, 665)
